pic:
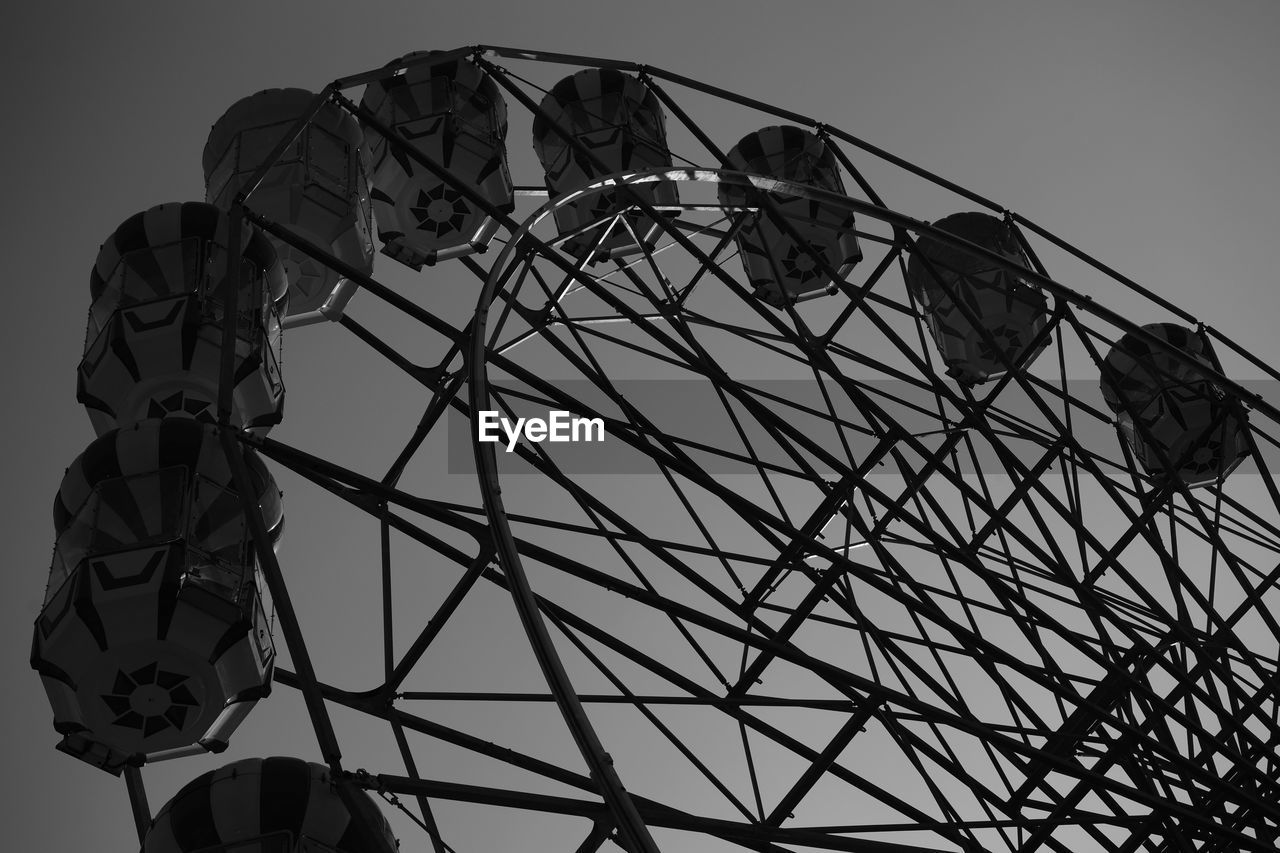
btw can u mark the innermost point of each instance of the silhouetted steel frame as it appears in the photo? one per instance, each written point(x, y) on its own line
point(1011, 367)
point(368, 702)
point(371, 702)
point(1169, 465)
point(280, 454)
point(1031, 479)
point(311, 688)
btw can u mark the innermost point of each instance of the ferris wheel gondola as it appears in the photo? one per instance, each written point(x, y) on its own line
point(154, 344)
point(153, 638)
point(319, 186)
point(589, 125)
point(453, 113)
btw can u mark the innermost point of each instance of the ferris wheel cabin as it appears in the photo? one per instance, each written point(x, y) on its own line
point(153, 635)
point(268, 805)
point(787, 262)
point(983, 317)
point(592, 124)
point(318, 188)
point(1172, 417)
point(453, 113)
point(154, 340)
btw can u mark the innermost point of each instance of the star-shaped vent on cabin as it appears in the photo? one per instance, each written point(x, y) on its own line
point(800, 264)
point(150, 699)
point(440, 210)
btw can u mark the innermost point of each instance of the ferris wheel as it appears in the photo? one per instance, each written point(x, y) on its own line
point(818, 525)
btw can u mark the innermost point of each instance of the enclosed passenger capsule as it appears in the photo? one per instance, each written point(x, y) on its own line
point(1171, 415)
point(779, 268)
point(983, 317)
point(269, 805)
point(453, 113)
point(153, 636)
point(318, 188)
point(618, 124)
point(153, 348)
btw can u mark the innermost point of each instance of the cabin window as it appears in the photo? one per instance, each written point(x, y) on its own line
point(121, 514)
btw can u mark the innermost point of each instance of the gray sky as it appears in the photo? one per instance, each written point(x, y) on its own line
point(1143, 132)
